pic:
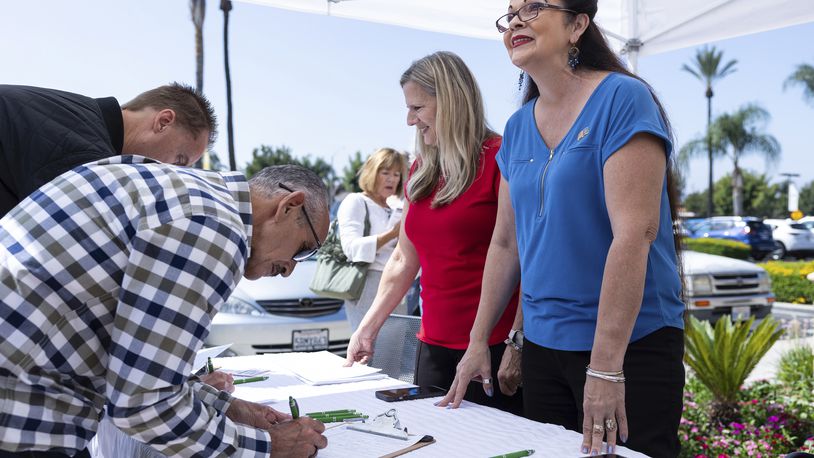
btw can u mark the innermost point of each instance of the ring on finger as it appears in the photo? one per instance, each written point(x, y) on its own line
point(599, 429)
point(610, 424)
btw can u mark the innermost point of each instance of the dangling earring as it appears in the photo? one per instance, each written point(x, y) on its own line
point(573, 57)
point(520, 80)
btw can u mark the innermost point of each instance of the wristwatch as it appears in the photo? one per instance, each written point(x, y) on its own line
point(515, 339)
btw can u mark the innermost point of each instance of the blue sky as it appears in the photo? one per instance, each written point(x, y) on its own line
point(328, 87)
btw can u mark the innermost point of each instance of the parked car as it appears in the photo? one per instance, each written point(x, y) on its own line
point(749, 230)
point(715, 286)
point(807, 221)
point(790, 238)
point(280, 314)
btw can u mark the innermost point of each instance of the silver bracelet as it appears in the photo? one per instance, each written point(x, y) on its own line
point(611, 373)
point(615, 377)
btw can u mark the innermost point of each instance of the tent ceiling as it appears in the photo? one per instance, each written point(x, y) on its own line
point(659, 25)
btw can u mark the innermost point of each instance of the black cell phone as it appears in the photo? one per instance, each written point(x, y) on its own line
point(406, 394)
point(608, 455)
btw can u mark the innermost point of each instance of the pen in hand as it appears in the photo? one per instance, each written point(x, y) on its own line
point(295, 409)
point(209, 367)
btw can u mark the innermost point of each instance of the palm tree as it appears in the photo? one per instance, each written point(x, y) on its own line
point(722, 358)
point(803, 76)
point(707, 68)
point(197, 9)
point(226, 6)
point(735, 135)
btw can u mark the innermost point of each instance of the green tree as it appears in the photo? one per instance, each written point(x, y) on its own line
point(350, 173)
point(802, 76)
point(722, 358)
point(708, 69)
point(266, 156)
point(736, 135)
point(807, 198)
point(761, 198)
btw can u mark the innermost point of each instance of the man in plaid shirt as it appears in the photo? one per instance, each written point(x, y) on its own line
point(109, 278)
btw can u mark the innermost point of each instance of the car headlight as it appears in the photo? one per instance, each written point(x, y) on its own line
point(763, 281)
point(699, 284)
point(239, 306)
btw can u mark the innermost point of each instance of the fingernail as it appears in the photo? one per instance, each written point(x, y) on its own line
point(584, 450)
point(436, 403)
point(610, 448)
point(623, 437)
point(489, 392)
point(594, 453)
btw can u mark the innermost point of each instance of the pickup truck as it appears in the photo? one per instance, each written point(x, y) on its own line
point(716, 285)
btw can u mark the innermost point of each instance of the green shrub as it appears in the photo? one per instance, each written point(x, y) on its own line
point(796, 367)
point(789, 282)
point(721, 247)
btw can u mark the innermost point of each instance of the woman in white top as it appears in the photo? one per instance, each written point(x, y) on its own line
point(381, 177)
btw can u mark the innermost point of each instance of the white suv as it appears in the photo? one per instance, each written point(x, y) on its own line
point(279, 315)
point(717, 286)
point(790, 238)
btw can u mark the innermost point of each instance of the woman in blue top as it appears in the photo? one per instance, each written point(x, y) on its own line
point(585, 164)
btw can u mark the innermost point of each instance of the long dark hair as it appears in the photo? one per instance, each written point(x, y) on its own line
point(596, 54)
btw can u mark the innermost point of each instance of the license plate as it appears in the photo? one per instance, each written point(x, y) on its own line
point(741, 313)
point(309, 340)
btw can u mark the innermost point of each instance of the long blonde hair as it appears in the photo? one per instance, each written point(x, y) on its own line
point(460, 125)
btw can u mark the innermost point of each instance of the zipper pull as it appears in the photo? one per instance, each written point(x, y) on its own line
point(550, 155)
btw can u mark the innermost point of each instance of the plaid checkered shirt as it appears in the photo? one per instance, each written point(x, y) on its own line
point(109, 278)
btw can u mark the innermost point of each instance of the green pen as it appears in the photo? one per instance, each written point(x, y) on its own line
point(295, 409)
point(250, 380)
point(209, 367)
point(330, 412)
point(338, 419)
point(518, 454)
point(337, 415)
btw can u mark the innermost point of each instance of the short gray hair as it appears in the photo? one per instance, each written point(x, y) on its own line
point(267, 182)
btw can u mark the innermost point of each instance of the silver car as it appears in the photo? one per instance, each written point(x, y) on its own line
point(278, 315)
point(717, 286)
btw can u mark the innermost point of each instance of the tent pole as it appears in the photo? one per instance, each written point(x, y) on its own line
point(633, 44)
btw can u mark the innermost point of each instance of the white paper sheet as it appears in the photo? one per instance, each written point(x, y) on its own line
point(325, 368)
point(204, 353)
point(345, 442)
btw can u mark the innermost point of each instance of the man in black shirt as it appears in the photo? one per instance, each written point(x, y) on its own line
point(45, 132)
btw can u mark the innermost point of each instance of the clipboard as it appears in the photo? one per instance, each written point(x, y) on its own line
point(425, 441)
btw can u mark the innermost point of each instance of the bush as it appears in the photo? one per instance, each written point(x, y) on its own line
point(796, 366)
point(721, 247)
point(789, 282)
point(774, 419)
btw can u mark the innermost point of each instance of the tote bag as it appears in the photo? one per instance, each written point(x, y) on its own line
point(336, 276)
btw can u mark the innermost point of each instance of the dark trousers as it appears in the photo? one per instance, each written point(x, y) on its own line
point(554, 382)
point(43, 454)
point(435, 365)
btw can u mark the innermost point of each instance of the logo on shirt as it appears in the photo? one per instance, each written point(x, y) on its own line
point(583, 133)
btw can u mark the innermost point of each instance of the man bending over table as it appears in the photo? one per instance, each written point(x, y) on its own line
point(109, 278)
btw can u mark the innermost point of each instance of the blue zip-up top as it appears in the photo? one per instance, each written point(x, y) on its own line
point(563, 228)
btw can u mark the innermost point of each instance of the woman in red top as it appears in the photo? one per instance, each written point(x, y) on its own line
point(452, 205)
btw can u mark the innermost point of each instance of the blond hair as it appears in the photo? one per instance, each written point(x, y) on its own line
point(460, 125)
point(382, 159)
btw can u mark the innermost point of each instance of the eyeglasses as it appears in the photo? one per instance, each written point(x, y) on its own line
point(308, 253)
point(527, 13)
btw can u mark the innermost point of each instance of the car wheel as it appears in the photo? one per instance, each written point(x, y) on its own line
point(779, 251)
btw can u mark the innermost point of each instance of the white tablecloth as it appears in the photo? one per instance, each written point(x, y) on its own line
point(470, 431)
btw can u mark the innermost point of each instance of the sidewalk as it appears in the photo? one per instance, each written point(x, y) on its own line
point(767, 367)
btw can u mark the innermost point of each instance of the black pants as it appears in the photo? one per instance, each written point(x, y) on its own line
point(43, 454)
point(435, 365)
point(554, 382)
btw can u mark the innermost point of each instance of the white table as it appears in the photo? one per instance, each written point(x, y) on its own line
point(471, 430)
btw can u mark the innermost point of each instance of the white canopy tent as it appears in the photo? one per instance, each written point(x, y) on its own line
point(635, 27)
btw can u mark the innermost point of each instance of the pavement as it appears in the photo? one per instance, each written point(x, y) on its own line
point(767, 367)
